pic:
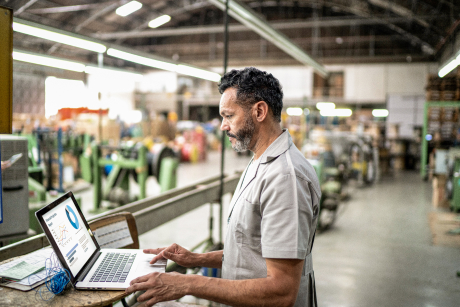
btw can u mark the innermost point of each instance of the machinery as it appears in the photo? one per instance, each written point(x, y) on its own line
point(331, 190)
point(453, 178)
point(15, 191)
point(122, 162)
point(363, 160)
point(51, 145)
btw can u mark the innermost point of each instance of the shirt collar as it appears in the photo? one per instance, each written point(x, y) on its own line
point(279, 146)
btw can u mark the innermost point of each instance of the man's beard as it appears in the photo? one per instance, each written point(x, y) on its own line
point(244, 136)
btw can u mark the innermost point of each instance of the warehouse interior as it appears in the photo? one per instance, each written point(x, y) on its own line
point(117, 101)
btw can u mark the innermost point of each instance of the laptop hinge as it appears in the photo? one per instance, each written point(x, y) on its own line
point(88, 267)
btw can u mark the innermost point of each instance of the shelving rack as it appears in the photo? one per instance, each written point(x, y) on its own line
point(424, 155)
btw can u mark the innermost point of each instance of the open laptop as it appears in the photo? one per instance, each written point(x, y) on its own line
point(90, 267)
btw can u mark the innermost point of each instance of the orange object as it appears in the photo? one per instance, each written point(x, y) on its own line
point(71, 113)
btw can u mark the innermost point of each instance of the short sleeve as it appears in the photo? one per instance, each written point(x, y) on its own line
point(287, 215)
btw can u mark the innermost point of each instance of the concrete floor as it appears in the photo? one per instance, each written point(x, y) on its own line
point(378, 253)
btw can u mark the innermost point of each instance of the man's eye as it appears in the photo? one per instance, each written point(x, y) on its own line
point(229, 116)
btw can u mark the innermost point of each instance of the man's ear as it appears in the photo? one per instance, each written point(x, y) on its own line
point(260, 110)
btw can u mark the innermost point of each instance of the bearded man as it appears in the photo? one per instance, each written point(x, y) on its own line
point(267, 258)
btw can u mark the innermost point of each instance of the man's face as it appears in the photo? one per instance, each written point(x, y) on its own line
point(236, 121)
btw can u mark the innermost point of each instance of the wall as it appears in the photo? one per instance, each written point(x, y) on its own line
point(363, 83)
point(371, 83)
point(117, 94)
point(406, 111)
point(28, 94)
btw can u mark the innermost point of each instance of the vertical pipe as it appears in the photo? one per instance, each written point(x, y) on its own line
point(222, 141)
point(97, 178)
point(424, 154)
point(60, 160)
point(143, 174)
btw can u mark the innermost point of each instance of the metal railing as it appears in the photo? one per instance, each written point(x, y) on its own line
point(149, 213)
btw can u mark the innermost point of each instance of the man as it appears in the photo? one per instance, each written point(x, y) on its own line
point(266, 259)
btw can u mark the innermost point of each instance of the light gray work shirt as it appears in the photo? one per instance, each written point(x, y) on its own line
point(274, 215)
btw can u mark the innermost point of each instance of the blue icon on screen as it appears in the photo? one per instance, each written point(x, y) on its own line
point(75, 223)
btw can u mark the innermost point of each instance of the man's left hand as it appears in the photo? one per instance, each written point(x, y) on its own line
point(159, 287)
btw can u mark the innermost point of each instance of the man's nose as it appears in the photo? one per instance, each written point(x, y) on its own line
point(224, 125)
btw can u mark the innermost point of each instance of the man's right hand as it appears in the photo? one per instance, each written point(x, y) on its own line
point(174, 252)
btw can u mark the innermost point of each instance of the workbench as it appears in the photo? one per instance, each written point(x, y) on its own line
point(69, 298)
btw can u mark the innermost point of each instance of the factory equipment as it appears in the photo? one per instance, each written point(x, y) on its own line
point(452, 167)
point(440, 129)
point(15, 215)
point(122, 162)
point(363, 160)
point(330, 179)
point(50, 146)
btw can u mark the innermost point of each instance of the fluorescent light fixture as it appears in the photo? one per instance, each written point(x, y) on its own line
point(141, 60)
point(128, 8)
point(109, 73)
point(249, 18)
point(179, 68)
point(159, 21)
point(325, 106)
point(58, 37)
point(449, 67)
point(380, 112)
point(294, 111)
point(196, 72)
point(336, 112)
point(48, 61)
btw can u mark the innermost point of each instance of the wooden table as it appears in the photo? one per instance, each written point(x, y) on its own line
point(68, 298)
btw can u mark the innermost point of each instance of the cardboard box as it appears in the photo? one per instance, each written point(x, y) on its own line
point(439, 192)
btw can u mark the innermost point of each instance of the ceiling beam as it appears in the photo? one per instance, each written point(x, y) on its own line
point(360, 8)
point(70, 8)
point(255, 44)
point(249, 18)
point(171, 12)
point(340, 60)
point(399, 10)
point(24, 7)
point(282, 25)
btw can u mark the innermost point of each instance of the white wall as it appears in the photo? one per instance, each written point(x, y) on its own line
point(158, 82)
point(371, 83)
point(297, 81)
point(406, 111)
point(117, 94)
point(363, 83)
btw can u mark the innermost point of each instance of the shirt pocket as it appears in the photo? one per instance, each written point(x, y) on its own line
point(249, 223)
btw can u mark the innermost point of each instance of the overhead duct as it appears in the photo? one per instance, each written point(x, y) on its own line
point(248, 17)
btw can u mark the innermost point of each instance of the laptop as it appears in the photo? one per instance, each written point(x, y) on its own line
point(90, 267)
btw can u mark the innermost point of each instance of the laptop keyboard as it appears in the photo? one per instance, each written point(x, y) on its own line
point(113, 268)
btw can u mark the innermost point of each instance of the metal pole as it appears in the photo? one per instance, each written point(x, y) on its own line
point(222, 141)
point(424, 155)
point(60, 160)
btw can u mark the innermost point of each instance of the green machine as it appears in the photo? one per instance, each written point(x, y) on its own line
point(331, 188)
point(116, 187)
point(453, 181)
point(122, 162)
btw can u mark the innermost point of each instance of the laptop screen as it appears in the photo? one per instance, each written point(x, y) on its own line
point(70, 234)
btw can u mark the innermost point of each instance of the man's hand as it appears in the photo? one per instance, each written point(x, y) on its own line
point(5, 164)
point(159, 287)
point(174, 252)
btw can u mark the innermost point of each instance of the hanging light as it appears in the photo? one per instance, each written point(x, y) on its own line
point(128, 8)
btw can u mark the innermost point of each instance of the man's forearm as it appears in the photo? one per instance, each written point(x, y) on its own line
point(210, 260)
point(250, 292)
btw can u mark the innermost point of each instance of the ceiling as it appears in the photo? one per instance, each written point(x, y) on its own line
point(330, 31)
